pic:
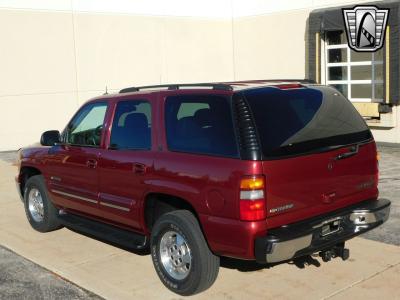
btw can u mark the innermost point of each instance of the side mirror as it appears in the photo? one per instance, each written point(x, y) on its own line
point(50, 138)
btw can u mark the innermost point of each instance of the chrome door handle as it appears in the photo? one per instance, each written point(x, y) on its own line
point(139, 168)
point(91, 163)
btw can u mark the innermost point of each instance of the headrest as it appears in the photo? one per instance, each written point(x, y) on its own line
point(203, 117)
point(136, 120)
point(187, 126)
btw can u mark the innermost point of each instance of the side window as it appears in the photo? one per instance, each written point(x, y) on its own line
point(86, 128)
point(200, 124)
point(131, 128)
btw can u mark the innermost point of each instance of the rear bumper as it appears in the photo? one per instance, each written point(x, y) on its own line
point(309, 236)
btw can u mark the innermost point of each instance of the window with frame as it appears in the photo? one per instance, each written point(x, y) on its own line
point(200, 124)
point(357, 75)
point(86, 127)
point(131, 128)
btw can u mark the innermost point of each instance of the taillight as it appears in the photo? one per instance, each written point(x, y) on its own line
point(252, 198)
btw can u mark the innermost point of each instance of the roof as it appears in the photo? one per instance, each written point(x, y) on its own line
point(230, 86)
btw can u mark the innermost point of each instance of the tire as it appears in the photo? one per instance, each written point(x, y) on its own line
point(203, 269)
point(46, 218)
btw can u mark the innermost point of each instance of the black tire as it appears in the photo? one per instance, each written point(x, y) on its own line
point(50, 220)
point(204, 265)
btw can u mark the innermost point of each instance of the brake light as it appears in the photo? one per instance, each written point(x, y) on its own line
point(289, 86)
point(252, 198)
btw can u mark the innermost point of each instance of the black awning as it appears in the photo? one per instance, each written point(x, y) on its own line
point(331, 19)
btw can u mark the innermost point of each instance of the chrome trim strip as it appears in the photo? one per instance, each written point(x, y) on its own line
point(286, 250)
point(55, 178)
point(114, 206)
point(74, 196)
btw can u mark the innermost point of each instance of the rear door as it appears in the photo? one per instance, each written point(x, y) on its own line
point(318, 153)
point(127, 164)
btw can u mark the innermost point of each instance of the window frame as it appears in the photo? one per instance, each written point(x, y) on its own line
point(234, 131)
point(348, 64)
point(64, 135)
point(151, 121)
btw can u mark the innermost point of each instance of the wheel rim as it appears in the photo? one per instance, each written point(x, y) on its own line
point(175, 255)
point(35, 205)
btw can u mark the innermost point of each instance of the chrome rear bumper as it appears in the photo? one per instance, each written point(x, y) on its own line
point(320, 233)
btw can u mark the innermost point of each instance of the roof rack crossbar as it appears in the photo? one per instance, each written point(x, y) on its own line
point(215, 86)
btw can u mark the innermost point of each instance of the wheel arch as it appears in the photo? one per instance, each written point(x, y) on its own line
point(156, 204)
point(25, 173)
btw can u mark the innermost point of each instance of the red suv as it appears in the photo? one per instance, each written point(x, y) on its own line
point(256, 170)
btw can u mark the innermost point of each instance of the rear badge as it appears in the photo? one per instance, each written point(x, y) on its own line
point(281, 208)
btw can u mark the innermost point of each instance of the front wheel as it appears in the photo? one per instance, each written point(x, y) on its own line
point(180, 254)
point(40, 211)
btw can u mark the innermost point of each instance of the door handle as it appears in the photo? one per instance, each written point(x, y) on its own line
point(139, 168)
point(91, 163)
point(352, 151)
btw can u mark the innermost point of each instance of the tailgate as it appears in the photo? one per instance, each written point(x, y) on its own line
point(318, 153)
point(305, 186)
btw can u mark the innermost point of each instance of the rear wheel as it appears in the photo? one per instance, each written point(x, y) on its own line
point(180, 254)
point(41, 213)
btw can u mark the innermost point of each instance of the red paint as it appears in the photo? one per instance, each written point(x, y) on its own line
point(124, 178)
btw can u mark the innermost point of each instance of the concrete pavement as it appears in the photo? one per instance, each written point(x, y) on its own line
point(372, 271)
point(389, 187)
point(22, 279)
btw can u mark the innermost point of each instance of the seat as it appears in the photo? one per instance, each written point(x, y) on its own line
point(189, 135)
point(135, 134)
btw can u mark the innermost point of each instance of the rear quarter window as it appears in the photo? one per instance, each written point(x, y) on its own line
point(201, 125)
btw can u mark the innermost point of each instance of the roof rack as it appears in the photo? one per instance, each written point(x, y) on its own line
point(277, 80)
point(215, 86)
point(226, 86)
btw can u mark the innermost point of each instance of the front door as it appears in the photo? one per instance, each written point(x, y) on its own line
point(72, 166)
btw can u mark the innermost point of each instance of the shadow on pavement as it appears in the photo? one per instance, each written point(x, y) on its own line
point(251, 266)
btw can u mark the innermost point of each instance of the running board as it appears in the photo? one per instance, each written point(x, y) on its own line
point(105, 232)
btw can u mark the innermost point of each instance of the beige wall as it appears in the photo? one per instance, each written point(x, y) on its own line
point(270, 46)
point(51, 62)
point(37, 75)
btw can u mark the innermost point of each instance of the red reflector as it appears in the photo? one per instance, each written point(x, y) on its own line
point(289, 86)
point(252, 210)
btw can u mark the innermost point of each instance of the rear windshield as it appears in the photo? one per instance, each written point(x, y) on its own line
point(299, 121)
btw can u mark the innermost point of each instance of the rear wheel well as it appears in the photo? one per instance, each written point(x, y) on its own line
point(25, 174)
point(158, 204)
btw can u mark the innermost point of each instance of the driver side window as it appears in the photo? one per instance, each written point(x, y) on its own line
point(86, 127)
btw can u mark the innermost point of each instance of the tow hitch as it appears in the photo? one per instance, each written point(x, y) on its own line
point(337, 251)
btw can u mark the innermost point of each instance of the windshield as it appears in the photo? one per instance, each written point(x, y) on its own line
point(297, 121)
